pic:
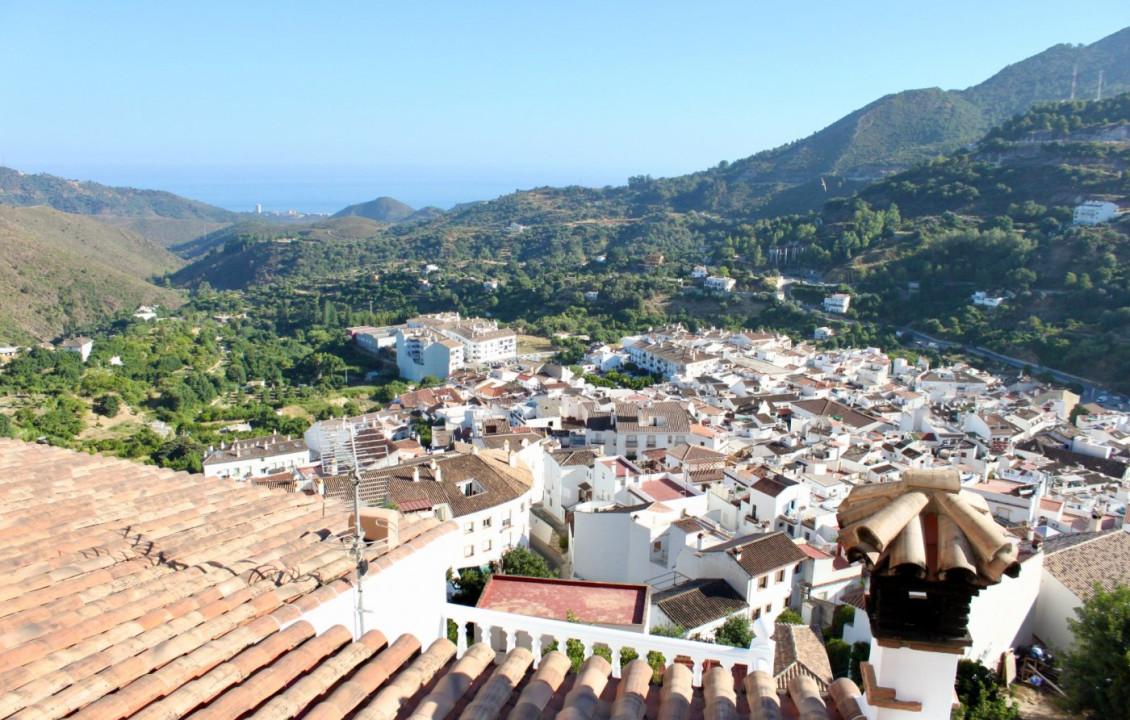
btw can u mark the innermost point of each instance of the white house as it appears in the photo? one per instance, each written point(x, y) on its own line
point(700, 272)
point(823, 333)
point(699, 606)
point(617, 543)
point(719, 284)
point(985, 299)
point(1094, 212)
point(489, 493)
point(759, 567)
point(81, 345)
point(568, 479)
point(422, 351)
point(631, 429)
point(671, 360)
point(483, 341)
point(837, 303)
point(257, 457)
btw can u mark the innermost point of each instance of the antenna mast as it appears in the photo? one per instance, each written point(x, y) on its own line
point(1099, 94)
point(358, 551)
point(1074, 77)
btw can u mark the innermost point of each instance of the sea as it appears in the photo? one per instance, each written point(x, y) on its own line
point(328, 190)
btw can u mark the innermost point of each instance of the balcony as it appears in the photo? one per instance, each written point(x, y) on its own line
point(506, 631)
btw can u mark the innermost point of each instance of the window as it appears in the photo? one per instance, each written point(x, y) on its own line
point(769, 608)
point(762, 582)
point(780, 576)
point(756, 613)
point(471, 488)
point(486, 522)
point(469, 551)
point(468, 528)
point(486, 546)
point(506, 519)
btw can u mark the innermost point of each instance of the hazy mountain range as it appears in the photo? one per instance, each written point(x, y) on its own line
point(92, 247)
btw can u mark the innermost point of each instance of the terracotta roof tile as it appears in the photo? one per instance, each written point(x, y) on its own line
point(172, 596)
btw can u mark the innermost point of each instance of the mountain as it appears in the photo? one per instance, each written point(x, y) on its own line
point(161, 216)
point(59, 270)
point(900, 130)
point(383, 209)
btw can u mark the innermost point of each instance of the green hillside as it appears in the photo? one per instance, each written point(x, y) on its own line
point(900, 130)
point(163, 217)
point(383, 209)
point(59, 270)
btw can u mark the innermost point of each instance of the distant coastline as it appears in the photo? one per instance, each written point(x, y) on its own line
point(328, 190)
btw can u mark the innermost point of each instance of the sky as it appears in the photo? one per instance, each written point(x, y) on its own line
point(442, 102)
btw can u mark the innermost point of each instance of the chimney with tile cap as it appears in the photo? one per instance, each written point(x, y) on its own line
point(929, 547)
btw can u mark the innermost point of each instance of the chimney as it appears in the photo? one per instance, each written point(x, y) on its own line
point(415, 474)
point(698, 545)
point(513, 459)
point(506, 446)
point(1096, 523)
point(439, 474)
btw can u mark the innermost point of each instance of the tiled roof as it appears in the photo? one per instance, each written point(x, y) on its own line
point(262, 447)
point(1103, 558)
point(799, 651)
point(130, 591)
point(773, 486)
point(824, 407)
point(759, 554)
point(127, 590)
point(580, 456)
point(698, 602)
point(415, 481)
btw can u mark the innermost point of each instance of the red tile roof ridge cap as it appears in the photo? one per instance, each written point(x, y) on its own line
point(295, 698)
point(134, 696)
point(230, 673)
point(365, 681)
point(271, 679)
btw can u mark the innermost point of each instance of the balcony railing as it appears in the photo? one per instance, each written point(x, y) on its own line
point(506, 631)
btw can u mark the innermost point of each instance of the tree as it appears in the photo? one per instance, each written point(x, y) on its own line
point(736, 632)
point(790, 617)
point(523, 561)
point(673, 630)
point(469, 586)
point(180, 453)
point(842, 615)
point(980, 695)
point(108, 405)
point(839, 657)
point(1096, 669)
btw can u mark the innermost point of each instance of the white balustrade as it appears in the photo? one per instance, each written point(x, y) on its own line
point(538, 634)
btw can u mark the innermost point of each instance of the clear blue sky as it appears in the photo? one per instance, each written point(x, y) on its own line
point(534, 92)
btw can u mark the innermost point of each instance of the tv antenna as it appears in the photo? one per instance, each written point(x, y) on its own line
point(1074, 77)
point(358, 550)
point(1099, 94)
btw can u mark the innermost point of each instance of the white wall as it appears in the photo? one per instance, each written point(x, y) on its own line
point(859, 630)
point(423, 573)
point(611, 547)
point(486, 543)
point(1002, 616)
point(927, 677)
point(1055, 605)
